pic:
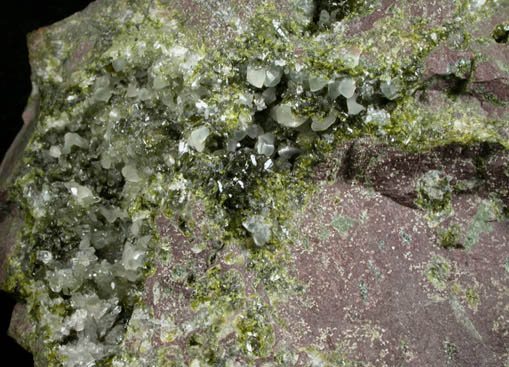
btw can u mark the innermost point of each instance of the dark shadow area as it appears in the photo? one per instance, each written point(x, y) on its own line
point(15, 352)
point(19, 18)
point(501, 33)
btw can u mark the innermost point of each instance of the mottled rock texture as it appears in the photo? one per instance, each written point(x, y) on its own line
point(263, 183)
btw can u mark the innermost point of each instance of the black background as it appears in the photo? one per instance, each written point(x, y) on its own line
point(17, 18)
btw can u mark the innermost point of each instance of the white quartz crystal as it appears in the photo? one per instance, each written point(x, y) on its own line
point(144, 94)
point(350, 57)
point(316, 83)
point(232, 145)
point(283, 114)
point(273, 76)
point(287, 152)
point(256, 76)
point(160, 82)
point(265, 144)
point(254, 130)
point(354, 108)
point(44, 256)
point(77, 320)
point(476, 4)
point(55, 151)
point(131, 174)
point(105, 161)
point(95, 306)
point(322, 124)
point(324, 17)
point(115, 335)
point(132, 91)
point(71, 140)
point(347, 87)
point(112, 214)
point(377, 117)
point(333, 89)
point(132, 257)
point(82, 194)
point(102, 89)
point(240, 134)
point(390, 89)
point(258, 228)
point(269, 95)
point(198, 137)
point(82, 353)
point(61, 280)
point(119, 64)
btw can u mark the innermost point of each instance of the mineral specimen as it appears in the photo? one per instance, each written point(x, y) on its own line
point(263, 183)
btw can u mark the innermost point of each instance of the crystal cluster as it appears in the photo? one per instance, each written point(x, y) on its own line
point(157, 119)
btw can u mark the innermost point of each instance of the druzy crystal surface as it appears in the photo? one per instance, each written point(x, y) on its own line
point(263, 183)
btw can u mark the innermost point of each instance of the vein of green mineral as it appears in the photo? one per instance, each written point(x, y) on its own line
point(159, 123)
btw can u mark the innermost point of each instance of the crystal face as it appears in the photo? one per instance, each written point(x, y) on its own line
point(265, 144)
point(256, 76)
point(320, 124)
point(285, 116)
point(259, 229)
point(346, 87)
point(198, 137)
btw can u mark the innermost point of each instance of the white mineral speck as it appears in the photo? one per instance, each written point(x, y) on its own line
point(287, 152)
point(377, 117)
point(178, 51)
point(44, 256)
point(253, 160)
point(476, 4)
point(249, 347)
point(268, 164)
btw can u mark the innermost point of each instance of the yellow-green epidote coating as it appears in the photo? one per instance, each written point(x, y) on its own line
point(160, 121)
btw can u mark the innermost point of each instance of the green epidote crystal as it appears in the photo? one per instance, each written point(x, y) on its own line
point(160, 120)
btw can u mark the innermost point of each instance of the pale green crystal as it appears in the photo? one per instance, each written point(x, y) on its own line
point(198, 137)
point(256, 76)
point(285, 116)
